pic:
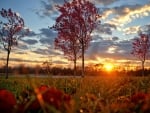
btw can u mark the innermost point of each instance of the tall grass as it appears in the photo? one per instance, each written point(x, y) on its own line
point(86, 92)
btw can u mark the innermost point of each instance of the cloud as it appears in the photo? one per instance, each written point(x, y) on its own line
point(21, 52)
point(60, 62)
point(106, 12)
point(47, 32)
point(145, 29)
point(112, 49)
point(115, 38)
point(104, 2)
point(22, 60)
point(46, 51)
point(96, 37)
point(125, 46)
point(125, 14)
point(106, 28)
point(98, 48)
point(21, 46)
point(48, 7)
point(29, 61)
point(40, 51)
point(47, 36)
point(30, 41)
point(131, 30)
point(31, 34)
point(109, 49)
point(1, 47)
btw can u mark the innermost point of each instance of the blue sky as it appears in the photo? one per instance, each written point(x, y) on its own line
point(121, 20)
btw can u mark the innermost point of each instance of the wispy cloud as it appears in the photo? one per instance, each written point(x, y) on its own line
point(126, 14)
point(31, 41)
point(131, 30)
point(48, 8)
point(104, 2)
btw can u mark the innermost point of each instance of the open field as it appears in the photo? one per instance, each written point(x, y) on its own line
point(90, 94)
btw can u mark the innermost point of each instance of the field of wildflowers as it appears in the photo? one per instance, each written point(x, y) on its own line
point(75, 95)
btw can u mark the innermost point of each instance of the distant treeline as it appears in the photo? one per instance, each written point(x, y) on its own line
point(22, 70)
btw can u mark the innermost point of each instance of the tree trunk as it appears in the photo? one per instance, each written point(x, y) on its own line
point(8, 53)
point(143, 68)
point(75, 67)
point(82, 60)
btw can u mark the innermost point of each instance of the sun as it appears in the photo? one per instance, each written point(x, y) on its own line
point(108, 67)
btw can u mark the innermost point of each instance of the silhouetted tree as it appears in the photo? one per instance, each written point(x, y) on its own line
point(76, 22)
point(11, 30)
point(141, 47)
point(47, 65)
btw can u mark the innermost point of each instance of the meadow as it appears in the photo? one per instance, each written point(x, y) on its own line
point(105, 94)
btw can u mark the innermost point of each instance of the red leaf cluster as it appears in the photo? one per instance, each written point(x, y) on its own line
point(75, 24)
point(52, 97)
point(7, 101)
point(137, 103)
point(11, 29)
point(45, 100)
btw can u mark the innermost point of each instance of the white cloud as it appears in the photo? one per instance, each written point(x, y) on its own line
point(126, 14)
point(111, 49)
point(131, 30)
point(104, 2)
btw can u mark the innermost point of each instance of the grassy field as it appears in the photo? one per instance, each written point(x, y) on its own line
point(89, 94)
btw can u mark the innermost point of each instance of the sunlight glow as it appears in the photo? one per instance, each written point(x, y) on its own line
point(108, 67)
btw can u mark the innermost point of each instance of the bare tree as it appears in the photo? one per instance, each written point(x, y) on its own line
point(141, 46)
point(11, 30)
point(47, 65)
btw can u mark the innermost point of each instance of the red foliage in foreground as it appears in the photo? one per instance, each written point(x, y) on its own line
point(46, 100)
point(52, 100)
point(137, 103)
point(7, 101)
point(141, 102)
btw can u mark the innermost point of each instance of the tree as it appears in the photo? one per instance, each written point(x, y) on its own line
point(70, 46)
point(11, 30)
point(141, 47)
point(77, 20)
point(47, 65)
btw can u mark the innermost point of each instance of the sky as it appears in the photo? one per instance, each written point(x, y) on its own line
point(112, 40)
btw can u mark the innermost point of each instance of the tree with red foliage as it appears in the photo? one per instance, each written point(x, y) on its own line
point(11, 30)
point(76, 23)
point(70, 46)
point(141, 47)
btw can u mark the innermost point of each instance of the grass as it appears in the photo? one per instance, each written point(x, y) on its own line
point(83, 90)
